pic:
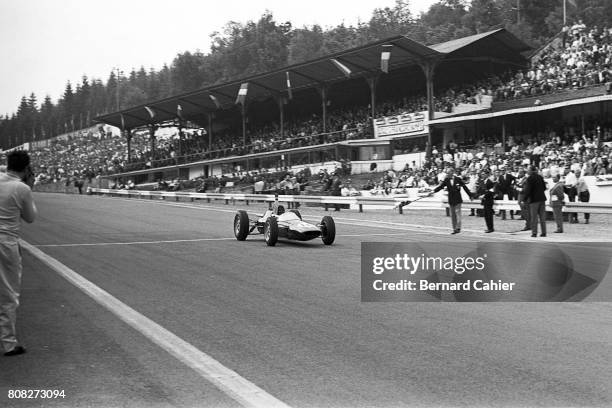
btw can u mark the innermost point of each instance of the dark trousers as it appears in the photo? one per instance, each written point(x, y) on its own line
point(584, 197)
point(488, 216)
point(572, 192)
point(538, 210)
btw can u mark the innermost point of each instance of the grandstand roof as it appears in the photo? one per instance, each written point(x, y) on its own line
point(482, 42)
point(362, 61)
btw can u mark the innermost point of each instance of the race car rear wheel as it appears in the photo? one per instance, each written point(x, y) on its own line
point(271, 231)
point(328, 230)
point(241, 225)
point(296, 212)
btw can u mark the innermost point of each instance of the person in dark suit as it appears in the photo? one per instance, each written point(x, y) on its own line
point(534, 190)
point(487, 194)
point(520, 194)
point(505, 187)
point(453, 185)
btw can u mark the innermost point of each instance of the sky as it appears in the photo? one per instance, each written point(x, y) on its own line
point(46, 43)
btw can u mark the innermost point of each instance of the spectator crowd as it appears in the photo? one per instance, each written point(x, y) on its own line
point(581, 59)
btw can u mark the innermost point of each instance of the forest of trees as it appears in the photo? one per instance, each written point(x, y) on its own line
point(243, 49)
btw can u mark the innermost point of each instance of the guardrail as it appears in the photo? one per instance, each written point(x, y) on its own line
point(360, 201)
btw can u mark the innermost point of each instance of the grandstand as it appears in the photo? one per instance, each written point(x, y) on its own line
point(476, 103)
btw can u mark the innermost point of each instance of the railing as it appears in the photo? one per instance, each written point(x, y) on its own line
point(428, 203)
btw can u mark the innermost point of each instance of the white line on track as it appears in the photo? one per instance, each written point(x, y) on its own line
point(134, 242)
point(227, 380)
point(93, 244)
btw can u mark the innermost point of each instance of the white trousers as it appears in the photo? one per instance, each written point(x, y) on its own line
point(10, 287)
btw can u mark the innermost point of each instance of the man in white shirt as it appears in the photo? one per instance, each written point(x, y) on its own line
point(16, 204)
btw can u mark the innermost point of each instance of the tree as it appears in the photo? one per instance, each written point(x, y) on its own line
point(305, 44)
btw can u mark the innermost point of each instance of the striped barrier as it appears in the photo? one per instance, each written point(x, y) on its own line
point(429, 203)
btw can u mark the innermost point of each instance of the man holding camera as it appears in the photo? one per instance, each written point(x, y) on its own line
point(16, 204)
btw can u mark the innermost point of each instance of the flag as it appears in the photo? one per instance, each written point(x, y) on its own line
point(150, 111)
point(343, 68)
point(289, 86)
point(242, 93)
point(385, 56)
point(179, 111)
point(572, 2)
point(215, 100)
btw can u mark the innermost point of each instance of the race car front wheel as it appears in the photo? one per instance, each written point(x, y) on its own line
point(241, 225)
point(271, 231)
point(328, 230)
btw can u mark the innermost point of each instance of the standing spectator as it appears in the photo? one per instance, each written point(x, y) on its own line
point(520, 194)
point(583, 196)
point(453, 185)
point(473, 187)
point(505, 188)
point(557, 194)
point(534, 189)
point(570, 189)
point(335, 188)
point(15, 204)
point(487, 193)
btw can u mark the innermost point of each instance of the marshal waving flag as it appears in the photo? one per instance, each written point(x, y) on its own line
point(385, 56)
point(242, 93)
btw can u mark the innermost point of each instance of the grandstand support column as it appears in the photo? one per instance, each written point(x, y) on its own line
point(323, 92)
point(211, 116)
point(243, 113)
point(372, 83)
point(504, 134)
point(128, 136)
point(180, 139)
point(281, 107)
point(429, 66)
point(152, 138)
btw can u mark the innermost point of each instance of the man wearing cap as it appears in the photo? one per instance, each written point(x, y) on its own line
point(16, 204)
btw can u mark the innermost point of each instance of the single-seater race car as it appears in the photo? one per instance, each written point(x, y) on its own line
point(278, 223)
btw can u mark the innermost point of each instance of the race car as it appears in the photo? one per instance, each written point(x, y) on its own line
point(278, 223)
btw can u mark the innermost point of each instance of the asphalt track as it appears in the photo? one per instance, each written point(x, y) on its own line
point(288, 318)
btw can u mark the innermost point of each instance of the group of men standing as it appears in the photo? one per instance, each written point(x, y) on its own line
point(528, 187)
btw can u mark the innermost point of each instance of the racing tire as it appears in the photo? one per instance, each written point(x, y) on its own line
point(296, 212)
point(241, 225)
point(271, 231)
point(280, 210)
point(328, 230)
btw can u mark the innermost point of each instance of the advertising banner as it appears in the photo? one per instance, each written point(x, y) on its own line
point(401, 125)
